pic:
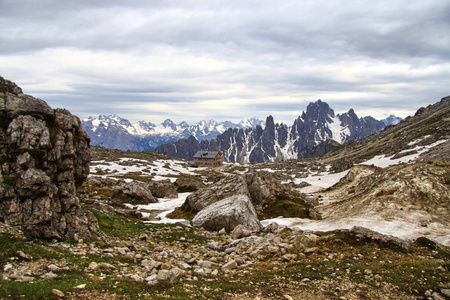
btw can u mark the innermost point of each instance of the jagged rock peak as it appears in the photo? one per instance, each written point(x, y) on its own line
point(317, 111)
point(44, 155)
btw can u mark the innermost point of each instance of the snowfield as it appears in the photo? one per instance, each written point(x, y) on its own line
point(397, 228)
point(384, 161)
point(162, 168)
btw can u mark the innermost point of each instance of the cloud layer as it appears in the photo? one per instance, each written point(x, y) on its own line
point(226, 60)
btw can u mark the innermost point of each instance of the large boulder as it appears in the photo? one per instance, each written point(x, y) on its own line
point(163, 189)
point(228, 213)
point(137, 192)
point(258, 189)
point(44, 156)
point(228, 186)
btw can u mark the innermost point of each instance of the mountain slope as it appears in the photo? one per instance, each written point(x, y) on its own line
point(115, 132)
point(277, 142)
point(428, 128)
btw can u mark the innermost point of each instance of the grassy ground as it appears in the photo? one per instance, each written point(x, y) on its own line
point(343, 266)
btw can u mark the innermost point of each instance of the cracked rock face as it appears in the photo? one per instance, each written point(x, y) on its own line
point(44, 156)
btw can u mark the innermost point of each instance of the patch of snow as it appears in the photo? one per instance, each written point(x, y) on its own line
point(95, 124)
point(336, 130)
point(165, 203)
point(163, 168)
point(383, 161)
point(268, 170)
point(418, 140)
point(322, 181)
point(397, 228)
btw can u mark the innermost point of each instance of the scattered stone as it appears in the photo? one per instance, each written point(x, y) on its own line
point(93, 266)
point(136, 278)
point(289, 257)
point(49, 275)
point(81, 286)
point(53, 267)
point(445, 292)
point(58, 293)
point(240, 231)
point(230, 265)
point(7, 267)
point(23, 256)
point(163, 275)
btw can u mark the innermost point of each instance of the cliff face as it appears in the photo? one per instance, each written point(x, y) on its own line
point(44, 156)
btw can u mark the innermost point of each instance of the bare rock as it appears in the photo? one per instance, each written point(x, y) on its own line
point(138, 191)
point(258, 189)
point(239, 232)
point(163, 189)
point(389, 240)
point(58, 293)
point(228, 213)
point(232, 264)
point(189, 184)
point(229, 186)
point(45, 156)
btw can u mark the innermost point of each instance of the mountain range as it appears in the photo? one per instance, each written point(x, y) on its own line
point(319, 125)
point(115, 132)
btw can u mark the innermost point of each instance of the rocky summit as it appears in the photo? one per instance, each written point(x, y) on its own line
point(44, 156)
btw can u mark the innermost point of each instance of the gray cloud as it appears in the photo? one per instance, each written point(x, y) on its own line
point(250, 58)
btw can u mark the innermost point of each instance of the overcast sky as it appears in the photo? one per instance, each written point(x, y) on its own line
point(227, 60)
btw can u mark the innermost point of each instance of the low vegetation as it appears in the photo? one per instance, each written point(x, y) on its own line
point(342, 266)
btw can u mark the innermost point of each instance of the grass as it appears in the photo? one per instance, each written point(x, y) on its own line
point(287, 206)
point(343, 266)
point(118, 226)
point(179, 213)
point(9, 180)
point(10, 245)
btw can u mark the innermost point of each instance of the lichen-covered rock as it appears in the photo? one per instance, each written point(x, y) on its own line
point(44, 156)
point(163, 189)
point(258, 189)
point(137, 191)
point(230, 185)
point(228, 213)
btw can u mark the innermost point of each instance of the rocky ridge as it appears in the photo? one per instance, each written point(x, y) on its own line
point(44, 156)
point(115, 132)
point(278, 142)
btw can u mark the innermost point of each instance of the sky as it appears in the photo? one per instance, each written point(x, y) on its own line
point(227, 60)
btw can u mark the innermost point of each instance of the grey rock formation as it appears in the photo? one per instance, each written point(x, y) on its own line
point(228, 213)
point(137, 191)
point(44, 156)
point(230, 185)
point(162, 189)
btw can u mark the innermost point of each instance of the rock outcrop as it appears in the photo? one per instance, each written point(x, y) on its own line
point(44, 156)
point(163, 189)
point(136, 191)
point(229, 186)
point(228, 213)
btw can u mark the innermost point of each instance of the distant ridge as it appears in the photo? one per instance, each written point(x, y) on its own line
point(115, 132)
point(277, 142)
